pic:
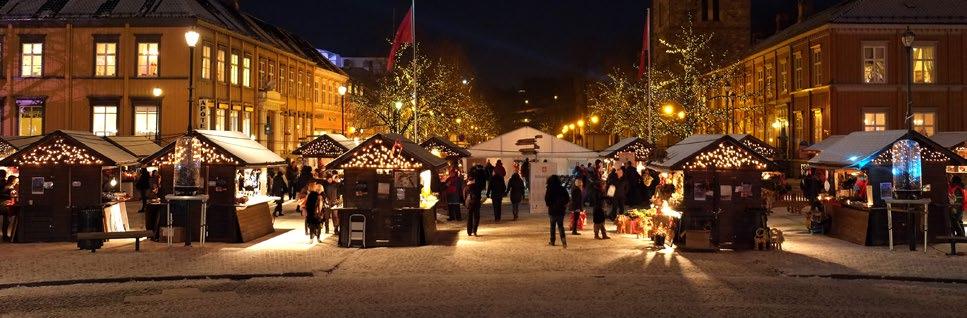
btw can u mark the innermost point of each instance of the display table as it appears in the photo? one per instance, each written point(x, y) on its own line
point(398, 227)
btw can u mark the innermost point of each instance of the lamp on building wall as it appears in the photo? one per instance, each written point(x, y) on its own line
point(157, 92)
point(907, 38)
point(342, 97)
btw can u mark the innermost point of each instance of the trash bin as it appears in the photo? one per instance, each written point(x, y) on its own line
point(88, 219)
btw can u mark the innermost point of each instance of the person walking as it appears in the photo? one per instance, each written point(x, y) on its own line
point(497, 190)
point(291, 173)
point(9, 185)
point(488, 171)
point(577, 204)
point(473, 199)
point(331, 191)
point(515, 188)
point(453, 193)
point(620, 193)
point(596, 199)
point(143, 184)
point(956, 193)
point(311, 205)
point(279, 189)
point(556, 199)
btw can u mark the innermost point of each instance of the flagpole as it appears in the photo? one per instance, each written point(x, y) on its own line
point(416, 116)
point(651, 138)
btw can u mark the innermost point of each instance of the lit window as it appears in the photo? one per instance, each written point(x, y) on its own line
point(817, 125)
point(298, 87)
point(105, 59)
point(874, 121)
point(146, 120)
point(247, 123)
point(30, 119)
point(797, 74)
point(220, 65)
point(924, 71)
point(817, 66)
point(148, 59)
point(783, 76)
point(770, 80)
point(206, 62)
point(760, 79)
point(874, 64)
point(233, 120)
point(32, 60)
point(233, 73)
point(291, 86)
point(925, 123)
point(219, 119)
point(247, 72)
point(281, 84)
point(105, 120)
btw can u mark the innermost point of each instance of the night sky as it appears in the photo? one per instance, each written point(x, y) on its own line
point(505, 41)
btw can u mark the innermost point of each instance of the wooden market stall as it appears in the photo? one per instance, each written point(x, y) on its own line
point(139, 147)
point(956, 141)
point(632, 147)
point(321, 150)
point(858, 177)
point(757, 145)
point(10, 144)
point(711, 186)
point(66, 174)
point(444, 148)
point(234, 170)
point(387, 182)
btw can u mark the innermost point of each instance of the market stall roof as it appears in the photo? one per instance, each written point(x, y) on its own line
point(824, 144)
point(757, 145)
point(643, 149)
point(138, 146)
point(549, 146)
point(699, 151)
point(858, 149)
point(67, 147)
point(387, 151)
point(325, 146)
point(950, 139)
point(10, 144)
point(447, 149)
point(227, 147)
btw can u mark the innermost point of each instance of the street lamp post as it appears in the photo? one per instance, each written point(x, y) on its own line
point(907, 40)
point(396, 117)
point(729, 95)
point(342, 97)
point(191, 37)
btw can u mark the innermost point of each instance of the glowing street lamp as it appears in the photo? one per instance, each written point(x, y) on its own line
point(681, 115)
point(580, 122)
point(342, 97)
point(595, 119)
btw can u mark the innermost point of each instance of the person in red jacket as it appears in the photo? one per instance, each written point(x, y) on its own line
point(955, 191)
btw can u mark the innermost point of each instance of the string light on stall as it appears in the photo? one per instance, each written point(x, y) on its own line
point(58, 152)
point(207, 154)
point(726, 157)
point(324, 147)
point(929, 155)
point(378, 156)
point(767, 152)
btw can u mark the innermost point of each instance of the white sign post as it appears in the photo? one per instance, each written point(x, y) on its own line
point(540, 171)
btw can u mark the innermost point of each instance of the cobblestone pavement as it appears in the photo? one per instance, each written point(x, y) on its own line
point(506, 271)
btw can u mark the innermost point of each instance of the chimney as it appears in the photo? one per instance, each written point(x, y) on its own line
point(780, 22)
point(804, 7)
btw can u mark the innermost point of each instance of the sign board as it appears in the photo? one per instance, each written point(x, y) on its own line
point(540, 171)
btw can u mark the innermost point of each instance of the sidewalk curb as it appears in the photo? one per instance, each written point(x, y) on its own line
point(884, 277)
point(154, 279)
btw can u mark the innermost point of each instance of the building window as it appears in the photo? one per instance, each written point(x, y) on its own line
point(924, 71)
point(233, 120)
point(30, 119)
point(298, 86)
point(817, 125)
point(710, 10)
point(247, 71)
point(925, 123)
point(760, 80)
point(874, 121)
point(146, 120)
point(291, 86)
point(315, 91)
point(797, 74)
point(247, 123)
point(233, 72)
point(105, 120)
point(783, 77)
point(770, 80)
point(220, 65)
point(282, 80)
point(206, 62)
point(32, 60)
point(147, 59)
point(817, 66)
point(874, 64)
point(105, 59)
point(219, 119)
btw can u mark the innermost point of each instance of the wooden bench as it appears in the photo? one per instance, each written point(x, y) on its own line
point(136, 235)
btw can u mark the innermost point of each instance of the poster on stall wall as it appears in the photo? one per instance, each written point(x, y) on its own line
point(699, 192)
point(725, 192)
point(540, 171)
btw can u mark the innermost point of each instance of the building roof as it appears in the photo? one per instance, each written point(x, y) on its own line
point(325, 146)
point(505, 146)
point(950, 139)
point(825, 143)
point(230, 148)
point(138, 146)
point(756, 144)
point(447, 148)
point(900, 12)
point(158, 11)
point(80, 144)
point(410, 156)
point(858, 149)
point(642, 148)
point(680, 155)
point(10, 144)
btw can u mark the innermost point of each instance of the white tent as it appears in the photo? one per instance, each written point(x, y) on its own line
point(561, 152)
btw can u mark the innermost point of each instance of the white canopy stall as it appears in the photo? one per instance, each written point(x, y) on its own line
point(506, 147)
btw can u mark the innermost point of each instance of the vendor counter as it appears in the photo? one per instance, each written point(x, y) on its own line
point(868, 225)
point(235, 223)
point(398, 227)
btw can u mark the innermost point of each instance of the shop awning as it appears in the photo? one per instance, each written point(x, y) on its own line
point(722, 151)
point(446, 148)
point(138, 146)
point(642, 149)
point(226, 148)
point(325, 146)
point(387, 151)
point(858, 149)
point(66, 147)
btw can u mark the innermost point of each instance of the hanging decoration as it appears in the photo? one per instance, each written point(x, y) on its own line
point(759, 148)
point(58, 152)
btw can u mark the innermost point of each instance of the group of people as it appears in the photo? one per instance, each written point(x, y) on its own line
point(8, 197)
point(147, 184)
point(480, 182)
point(316, 191)
point(623, 185)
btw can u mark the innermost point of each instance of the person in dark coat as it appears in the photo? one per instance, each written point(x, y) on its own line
point(488, 171)
point(312, 204)
point(143, 184)
point(301, 182)
point(525, 170)
point(620, 194)
point(473, 199)
point(515, 188)
point(596, 199)
point(291, 173)
point(279, 189)
point(577, 204)
point(453, 193)
point(556, 199)
point(497, 190)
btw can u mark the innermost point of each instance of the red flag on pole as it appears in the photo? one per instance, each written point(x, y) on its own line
point(645, 59)
point(404, 34)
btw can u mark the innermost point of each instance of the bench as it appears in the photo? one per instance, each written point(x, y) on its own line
point(136, 235)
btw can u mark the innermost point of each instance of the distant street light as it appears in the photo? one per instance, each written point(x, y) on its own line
point(669, 109)
point(681, 115)
point(342, 97)
point(595, 119)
